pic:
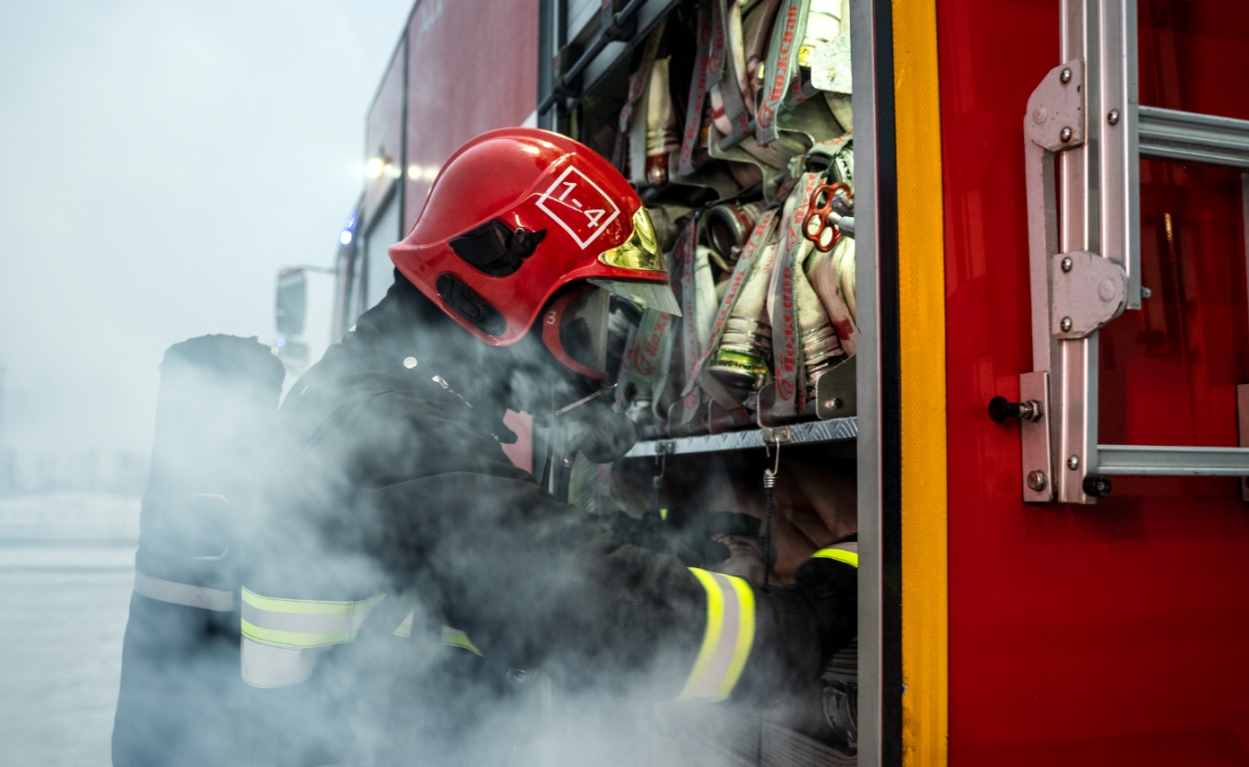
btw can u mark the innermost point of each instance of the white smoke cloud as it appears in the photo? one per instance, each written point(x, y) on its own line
point(158, 162)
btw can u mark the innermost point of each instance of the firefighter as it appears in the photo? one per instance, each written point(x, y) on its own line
point(402, 554)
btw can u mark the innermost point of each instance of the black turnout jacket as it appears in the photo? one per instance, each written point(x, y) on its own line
point(390, 479)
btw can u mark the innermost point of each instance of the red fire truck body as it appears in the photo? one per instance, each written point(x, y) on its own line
point(461, 67)
point(1109, 633)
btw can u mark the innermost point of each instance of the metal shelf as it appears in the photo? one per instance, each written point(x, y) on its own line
point(812, 432)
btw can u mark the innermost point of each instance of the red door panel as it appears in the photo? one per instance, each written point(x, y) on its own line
point(1115, 634)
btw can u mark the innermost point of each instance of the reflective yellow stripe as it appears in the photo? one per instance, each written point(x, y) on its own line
point(841, 555)
point(451, 637)
point(456, 638)
point(295, 639)
point(302, 623)
point(711, 637)
point(727, 640)
point(302, 606)
point(405, 628)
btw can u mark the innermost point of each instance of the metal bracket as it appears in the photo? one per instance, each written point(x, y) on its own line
point(1056, 108)
point(1038, 471)
point(830, 65)
point(665, 447)
point(1054, 123)
point(836, 395)
point(775, 435)
point(1086, 291)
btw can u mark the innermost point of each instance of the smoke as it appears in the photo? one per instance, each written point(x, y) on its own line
point(158, 163)
point(378, 480)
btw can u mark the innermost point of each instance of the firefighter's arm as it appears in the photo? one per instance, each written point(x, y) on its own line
point(732, 638)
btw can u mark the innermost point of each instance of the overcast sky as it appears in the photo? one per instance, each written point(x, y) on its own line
point(159, 160)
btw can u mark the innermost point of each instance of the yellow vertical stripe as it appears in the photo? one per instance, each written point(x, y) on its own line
point(711, 636)
point(925, 661)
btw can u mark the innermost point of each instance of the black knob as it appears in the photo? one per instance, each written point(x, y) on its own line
point(1097, 485)
point(1001, 408)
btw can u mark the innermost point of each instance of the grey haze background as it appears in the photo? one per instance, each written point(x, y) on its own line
point(159, 161)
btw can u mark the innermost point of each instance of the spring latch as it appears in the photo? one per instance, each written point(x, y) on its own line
point(769, 482)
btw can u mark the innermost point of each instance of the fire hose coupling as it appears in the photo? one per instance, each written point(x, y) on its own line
point(1001, 408)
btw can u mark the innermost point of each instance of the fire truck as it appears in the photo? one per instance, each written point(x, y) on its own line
point(1036, 348)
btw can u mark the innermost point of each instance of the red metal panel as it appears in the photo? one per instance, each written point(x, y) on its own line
point(1115, 634)
point(473, 67)
point(384, 134)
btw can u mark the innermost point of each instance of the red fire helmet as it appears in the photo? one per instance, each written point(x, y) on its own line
point(515, 216)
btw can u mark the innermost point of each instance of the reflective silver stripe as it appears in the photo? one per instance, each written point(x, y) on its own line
point(727, 640)
point(268, 666)
point(182, 594)
point(723, 654)
point(301, 623)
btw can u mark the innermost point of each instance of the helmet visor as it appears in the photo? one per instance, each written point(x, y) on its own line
point(640, 253)
point(648, 295)
point(575, 331)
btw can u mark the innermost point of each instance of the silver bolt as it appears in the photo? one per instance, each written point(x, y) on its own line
point(833, 404)
point(1037, 481)
point(1067, 263)
point(1065, 75)
point(409, 362)
point(1146, 292)
point(1113, 117)
point(1065, 324)
point(1065, 135)
point(1073, 462)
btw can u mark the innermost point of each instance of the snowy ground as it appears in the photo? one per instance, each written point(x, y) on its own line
point(66, 572)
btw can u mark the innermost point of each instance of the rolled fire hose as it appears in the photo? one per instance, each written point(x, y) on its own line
point(742, 361)
point(728, 226)
point(830, 283)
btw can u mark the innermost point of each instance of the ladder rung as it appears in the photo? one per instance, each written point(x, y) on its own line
point(1152, 460)
point(1168, 134)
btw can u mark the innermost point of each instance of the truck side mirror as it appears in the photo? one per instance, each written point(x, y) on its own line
point(291, 302)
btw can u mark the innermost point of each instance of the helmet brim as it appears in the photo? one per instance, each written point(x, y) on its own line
point(646, 294)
